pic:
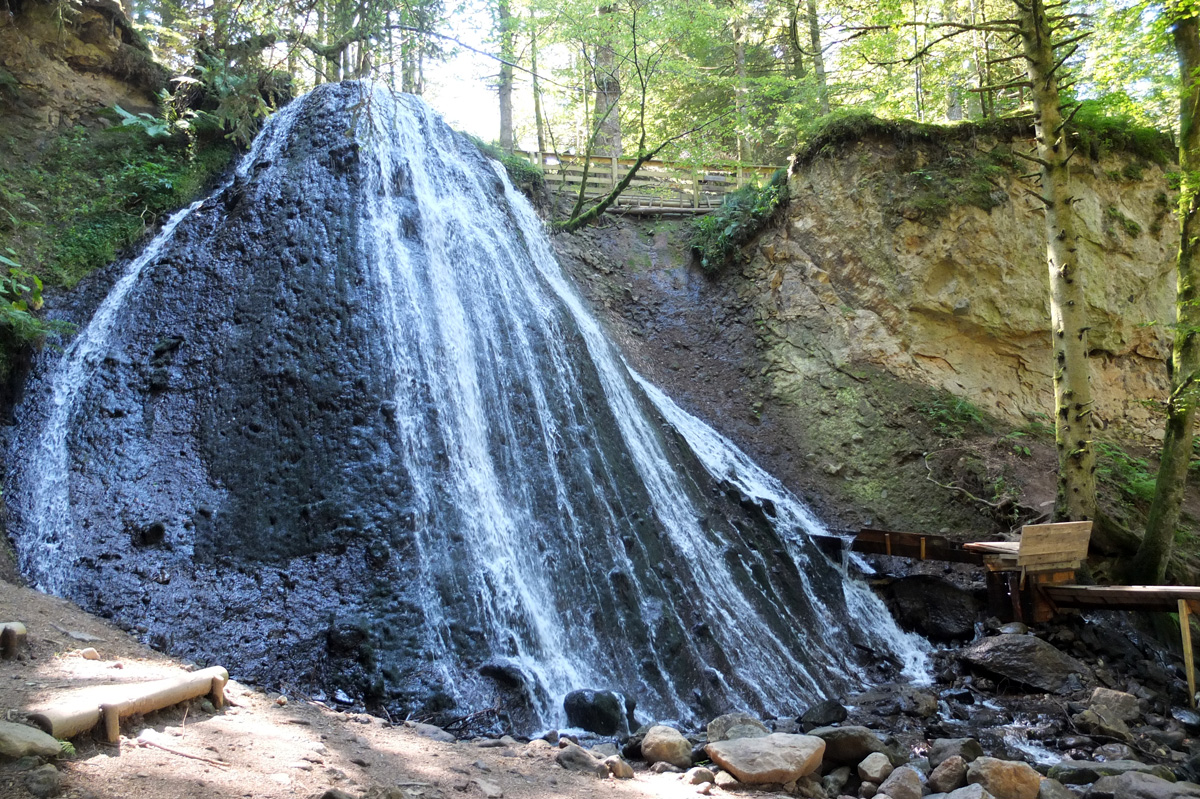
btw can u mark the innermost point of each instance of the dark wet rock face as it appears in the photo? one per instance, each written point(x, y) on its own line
point(935, 608)
point(338, 436)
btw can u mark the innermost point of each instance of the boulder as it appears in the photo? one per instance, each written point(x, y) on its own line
point(698, 775)
point(1082, 772)
point(735, 725)
point(970, 792)
point(849, 746)
point(943, 748)
point(601, 712)
point(875, 768)
point(933, 607)
point(1053, 789)
point(775, 758)
point(1005, 779)
point(1136, 785)
point(1115, 752)
point(836, 781)
point(44, 782)
point(1100, 721)
point(1116, 704)
point(430, 731)
point(667, 745)
point(950, 775)
point(904, 783)
point(21, 740)
point(618, 767)
point(576, 758)
point(823, 714)
point(1026, 660)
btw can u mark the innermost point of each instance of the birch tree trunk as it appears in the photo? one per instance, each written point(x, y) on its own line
point(1068, 308)
point(1150, 564)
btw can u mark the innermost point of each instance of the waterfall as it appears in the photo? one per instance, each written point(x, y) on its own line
point(350, 413)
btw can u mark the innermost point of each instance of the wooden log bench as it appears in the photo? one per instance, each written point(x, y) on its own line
point(73, 717)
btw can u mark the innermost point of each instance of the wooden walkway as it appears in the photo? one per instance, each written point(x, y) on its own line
point(660, 187)
point(1053, 594)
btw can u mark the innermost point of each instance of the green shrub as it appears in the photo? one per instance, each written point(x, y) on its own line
point(1130, 475)
point(954, 417)
point(1102, 126)
point(716, 236)
point(524, 175)
point(93, 193)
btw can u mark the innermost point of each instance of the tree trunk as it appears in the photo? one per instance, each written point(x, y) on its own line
point(606, 113)
point(814, 35)
point(798, 55)
point(537, 90)
point(1068, 307)
point(1150, 564)
point(739, 92)
point(505, 24)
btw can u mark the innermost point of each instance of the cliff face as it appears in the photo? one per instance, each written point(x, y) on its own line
point(60, 62)
point(869, 263)
point(898, 270)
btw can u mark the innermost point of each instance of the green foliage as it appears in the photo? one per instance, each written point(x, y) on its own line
point(95, 192)
point(954, 417)
point(66, 748)
point(1019, 447)
point(523, 174)
point(1114, 220)
point(1130, 475)
point(1104, 126)
point(718, 235)
point(152, 126)
point(21, 293)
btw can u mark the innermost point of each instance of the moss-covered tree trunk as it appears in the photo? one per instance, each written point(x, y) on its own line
point(1150, 563)
point(1068, 308)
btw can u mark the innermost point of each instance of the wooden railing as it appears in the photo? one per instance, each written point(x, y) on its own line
point(658, 187)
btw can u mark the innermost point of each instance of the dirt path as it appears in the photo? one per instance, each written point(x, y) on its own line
point(259, 746)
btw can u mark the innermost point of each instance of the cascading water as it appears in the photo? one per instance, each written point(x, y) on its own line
point(345, 426)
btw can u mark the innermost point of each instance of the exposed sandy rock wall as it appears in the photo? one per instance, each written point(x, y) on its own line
point(957, 297)
point(62, 62)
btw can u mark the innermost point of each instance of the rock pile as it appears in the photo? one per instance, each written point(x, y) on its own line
point(1074, 710)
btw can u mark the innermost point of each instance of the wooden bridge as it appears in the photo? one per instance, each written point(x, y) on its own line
point(660, 187)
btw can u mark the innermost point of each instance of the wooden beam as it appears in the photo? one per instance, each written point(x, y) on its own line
point(1189, 663)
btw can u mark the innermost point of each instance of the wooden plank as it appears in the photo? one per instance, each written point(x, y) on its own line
point(1066, 539)
point(1189, 662)
point(1163, 598)
point(910, 545)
